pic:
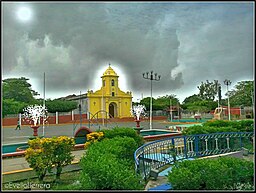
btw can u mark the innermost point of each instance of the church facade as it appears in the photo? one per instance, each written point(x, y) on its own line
point(109, 98)
point(107, 102)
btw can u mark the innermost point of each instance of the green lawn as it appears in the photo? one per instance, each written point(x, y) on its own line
point(66, 180)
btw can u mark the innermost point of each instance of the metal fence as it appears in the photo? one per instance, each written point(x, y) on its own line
point(159, 153)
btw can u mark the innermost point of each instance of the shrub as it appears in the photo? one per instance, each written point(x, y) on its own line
point(211, 174)
point(109, 165)
point(122, 147)
point(217, 123)
point(123, 131)
point(243, 125)
point(92, 138)
point(246, 125)
point(201, 129)
point(220, 126)
point(39, 156)
point(44, 153)
point(197, 129)
point(62, 154)
point(105, 172)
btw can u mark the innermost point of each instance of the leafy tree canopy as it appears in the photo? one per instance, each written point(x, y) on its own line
point(11, 106)
point(242, 94)
point(208, 90)
point(60, 105)
point(161, 103)
point(18, 89)
point(191, 99)
point(197, 104)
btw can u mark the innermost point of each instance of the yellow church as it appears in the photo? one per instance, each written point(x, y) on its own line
point(109, 101)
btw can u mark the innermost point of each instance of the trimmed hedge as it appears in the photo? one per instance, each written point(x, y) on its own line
point(243, 125)
point(220, 126)
point(201, 129)
point(223, 173)
point(124, 131)
point(108, 165)
point(105, 172)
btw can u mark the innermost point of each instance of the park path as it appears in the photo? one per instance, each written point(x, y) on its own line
point(18, 164)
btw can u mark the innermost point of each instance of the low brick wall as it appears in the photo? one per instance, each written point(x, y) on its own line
point(51, 120)
point(68, 119)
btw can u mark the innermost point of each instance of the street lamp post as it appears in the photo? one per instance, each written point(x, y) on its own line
point(228, 82)
point(80, 109)
point(151, 78)
point(44, 105)
point(171, 108)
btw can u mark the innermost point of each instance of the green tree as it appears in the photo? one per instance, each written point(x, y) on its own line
point(161, 103)
point(146, 102)
point(242, 94)
point(188, 101)
point(39, 156)
point(11, 106)
point(60, 105)
point(62, 155)
point(18, 89)
point(166, 101)
point(197, 104)
point(43, 154)
point(208, 90)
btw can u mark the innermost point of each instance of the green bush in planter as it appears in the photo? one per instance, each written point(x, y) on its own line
point(122, 147)
point(217, 123)
point(105, 172)
point(201, 129)
point(122, 132)
point(211, 174)
point(109, 165)
point(243, 125)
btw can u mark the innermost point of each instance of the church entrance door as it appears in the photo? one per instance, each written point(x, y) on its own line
point(112, 110)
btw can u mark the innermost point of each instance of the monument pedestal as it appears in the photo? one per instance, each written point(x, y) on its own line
point(138, 123)
point(35, 129)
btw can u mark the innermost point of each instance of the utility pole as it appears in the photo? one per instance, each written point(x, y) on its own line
point(228, 82)
point(171, 108)
point(80, 110)
point(151, 78)
point(44, 104)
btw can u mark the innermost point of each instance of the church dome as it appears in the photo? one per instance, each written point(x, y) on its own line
point(109, 72)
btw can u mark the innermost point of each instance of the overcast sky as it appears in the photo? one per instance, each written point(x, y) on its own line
point(73, 43)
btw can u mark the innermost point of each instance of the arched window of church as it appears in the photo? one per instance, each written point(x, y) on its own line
point(112, 82)
point(104, 82)
point(113, 94)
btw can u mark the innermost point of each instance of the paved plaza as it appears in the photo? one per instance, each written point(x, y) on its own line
point(10, 135)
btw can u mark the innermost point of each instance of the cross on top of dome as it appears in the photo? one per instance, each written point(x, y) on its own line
point(109, 71)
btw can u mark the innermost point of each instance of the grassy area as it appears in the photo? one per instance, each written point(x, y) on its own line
point(66, 181)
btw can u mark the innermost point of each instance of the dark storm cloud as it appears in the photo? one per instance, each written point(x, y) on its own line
point(184, 43)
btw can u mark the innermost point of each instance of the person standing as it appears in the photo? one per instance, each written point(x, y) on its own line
point(18, 125)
